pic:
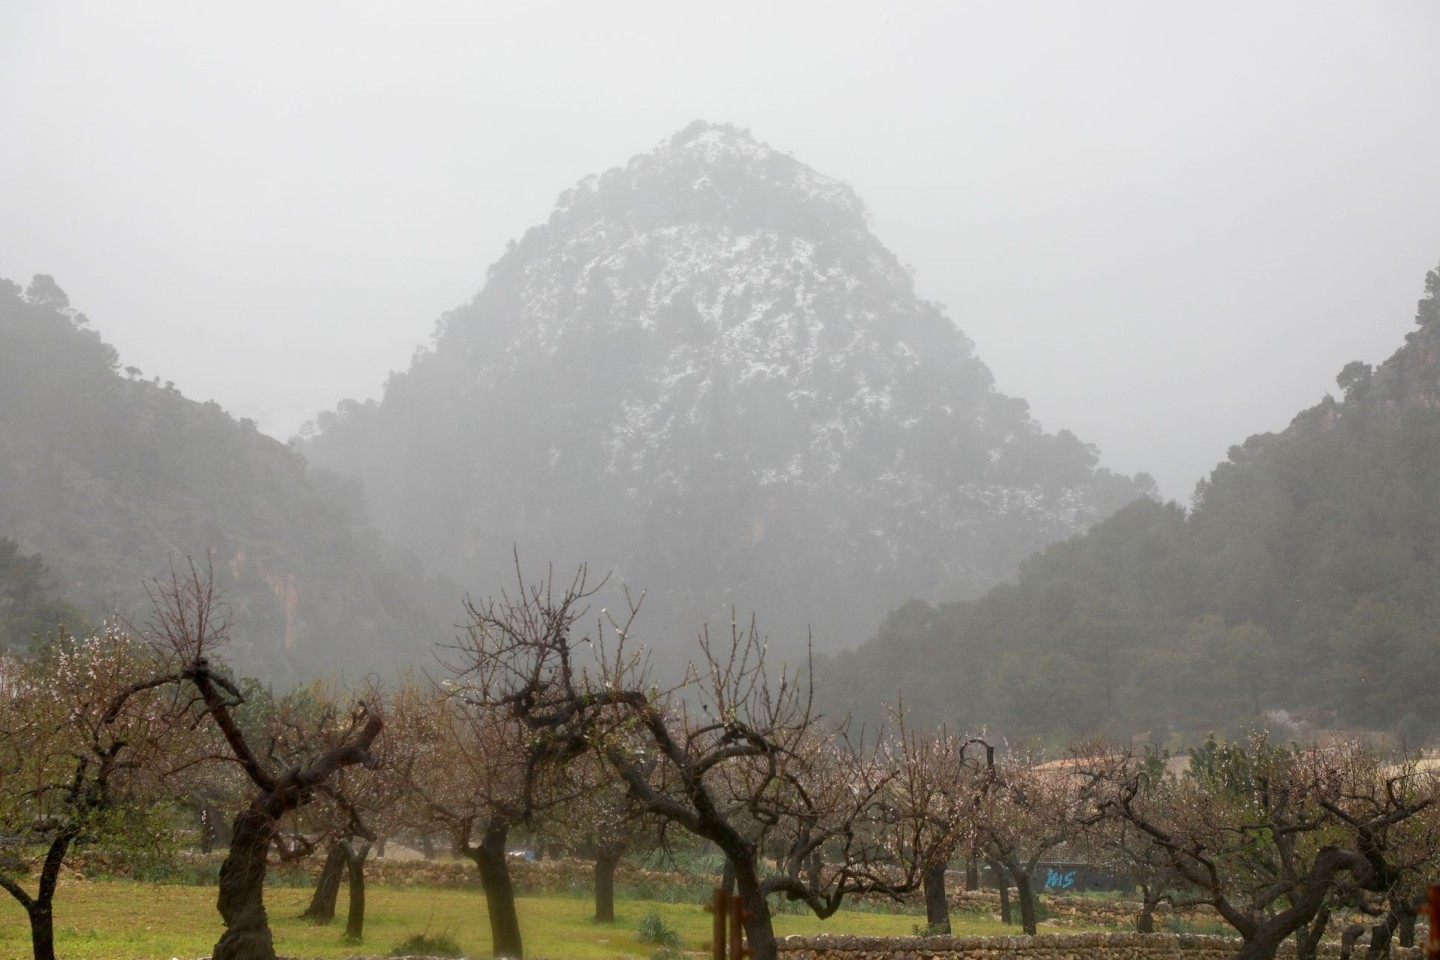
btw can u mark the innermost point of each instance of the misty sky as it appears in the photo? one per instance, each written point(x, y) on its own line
point(1166, 225)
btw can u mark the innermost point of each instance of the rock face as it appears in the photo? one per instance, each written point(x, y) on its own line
point(705, 375)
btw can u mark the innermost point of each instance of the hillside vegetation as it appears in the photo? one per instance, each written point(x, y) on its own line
point(1302, 587)
point(108, 480)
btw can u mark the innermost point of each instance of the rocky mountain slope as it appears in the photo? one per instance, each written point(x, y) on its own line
point(706, 375)
point(113, 479)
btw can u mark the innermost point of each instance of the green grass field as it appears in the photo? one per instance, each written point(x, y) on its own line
point(126, 920)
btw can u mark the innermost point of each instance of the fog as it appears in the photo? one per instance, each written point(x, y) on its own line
point(1165, 226)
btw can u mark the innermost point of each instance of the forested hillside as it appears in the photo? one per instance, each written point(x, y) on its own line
point(1302, 587)
point(108, 480)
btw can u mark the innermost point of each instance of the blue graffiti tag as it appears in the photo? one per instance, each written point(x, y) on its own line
point(1055, 880)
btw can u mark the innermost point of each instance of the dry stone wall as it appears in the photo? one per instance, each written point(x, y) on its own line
point(1076, 946)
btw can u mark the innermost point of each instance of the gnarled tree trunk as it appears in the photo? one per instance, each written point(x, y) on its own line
point(1025, 891)
point(39, 909)
point(607, 858)
point(937, 907)
point(355, 855)
point(489, 856)
point(42, 929)
point(1149, 900)
point(327, 887)
point(1002, 880)
point(1307, 938)
point(1263, 946)
point(1405, 920)
point(1349, 937)
point(759, 927)
point(242, 884)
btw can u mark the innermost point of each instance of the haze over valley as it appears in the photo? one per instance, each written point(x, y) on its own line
point(992, 351)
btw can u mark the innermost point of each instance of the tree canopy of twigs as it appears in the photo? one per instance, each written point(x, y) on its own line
point(85, 735)
point(733, 754)
point(301, 758)
point(1277, 838)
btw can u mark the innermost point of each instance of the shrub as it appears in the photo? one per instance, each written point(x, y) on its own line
point(653, 929)
point(428, 945)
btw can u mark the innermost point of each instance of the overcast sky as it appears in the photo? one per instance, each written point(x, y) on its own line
point(1166, 225)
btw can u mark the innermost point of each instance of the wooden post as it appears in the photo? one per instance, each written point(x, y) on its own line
point(717, 924)
point(1432, 944)
point(738, 916)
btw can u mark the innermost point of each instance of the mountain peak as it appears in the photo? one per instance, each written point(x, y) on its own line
point(716, 173)
point(720, 145)
point(706, 373)
point(715, 137)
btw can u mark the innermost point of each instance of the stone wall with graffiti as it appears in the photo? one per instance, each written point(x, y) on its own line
point(1062, 877)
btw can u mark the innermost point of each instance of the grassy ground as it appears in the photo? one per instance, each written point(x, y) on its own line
point(126, 920)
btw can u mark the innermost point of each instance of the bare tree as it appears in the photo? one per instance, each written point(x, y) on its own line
point(1115, 845)
point(1408, 847)
point(346, 830)
point(735, 755)
point(1274, 839)
point(472, 788)
point(1033, 809)
point(938, 794)
point(352, 816)
point(83, 736)
point(600, 822)
point(750, 769)
point(300, 761)
point(488, 770)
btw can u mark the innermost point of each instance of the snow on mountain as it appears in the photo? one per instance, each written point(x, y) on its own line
point(706, 374)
